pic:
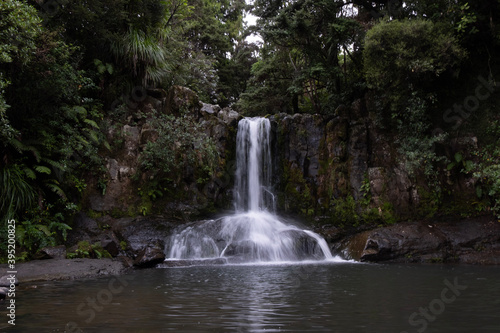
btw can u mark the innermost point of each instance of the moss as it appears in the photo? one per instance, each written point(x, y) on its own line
point(344, 212)
point(94, 214)
point(117, 213)
point(382, 215)
point(83, 245)
point(436, 260)
point(146, 206)
point(429, 203)
point(297, 193)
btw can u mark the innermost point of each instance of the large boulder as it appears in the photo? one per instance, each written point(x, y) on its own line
point(7, 280)
point(142, 232)
point(468, 241)
point(150, 256)
point(51, 252)
point(182, 100)
point(83, 228)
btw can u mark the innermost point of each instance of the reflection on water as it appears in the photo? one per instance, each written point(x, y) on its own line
point(334, 297)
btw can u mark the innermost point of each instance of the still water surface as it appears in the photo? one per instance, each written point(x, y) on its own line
point(327, 297)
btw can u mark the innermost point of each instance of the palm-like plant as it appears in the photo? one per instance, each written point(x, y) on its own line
point(15, 192)
point(144, 54)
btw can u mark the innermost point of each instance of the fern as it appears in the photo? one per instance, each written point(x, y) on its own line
point(16, 194)
point(21, 147)
point(42, 169)
point(92, 123)
point(54, 164)
point(93, 136)
point(29, 173)
point(107, 145)
point(53, 185)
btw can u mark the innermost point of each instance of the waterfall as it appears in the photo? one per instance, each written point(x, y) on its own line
point(254, 233)
point(253, 166)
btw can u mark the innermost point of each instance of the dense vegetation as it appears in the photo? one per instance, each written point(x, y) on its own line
point(67, 67)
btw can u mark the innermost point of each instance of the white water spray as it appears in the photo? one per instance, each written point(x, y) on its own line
point(254, 233)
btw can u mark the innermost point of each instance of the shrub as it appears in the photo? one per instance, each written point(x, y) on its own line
point(181, 145)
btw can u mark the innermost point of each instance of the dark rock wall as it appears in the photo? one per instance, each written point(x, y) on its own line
point(341, 171)
point(341, 168)
point(185, 198)
point(324, 160)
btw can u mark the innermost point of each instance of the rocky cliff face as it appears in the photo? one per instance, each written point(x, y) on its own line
point(341, 171)
point(332, 167)
point(130, 191)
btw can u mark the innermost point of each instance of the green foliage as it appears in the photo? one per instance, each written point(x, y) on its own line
point(487, 170)
point(383, 215)
point(466, 21)
point(297, 194)
point(87, 250)
point(365, 191)
point(16, 192)
point(268, 87)
point(142, 54)
point(430, 202)
point(213, 29)
point(181, 145)
point(310, 45)
point(19, 27)
point(41, 228)
point(404, 56)
point(345, 212)
point(49, 126)
point(465, 165)
point(416, 144)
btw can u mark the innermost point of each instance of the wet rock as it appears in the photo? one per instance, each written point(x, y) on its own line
point(83, 228)
point(358, 152)
point(67, 269)
point(132, 136)
point(193, 262)
point(305, 246)
point(6, 281)
point(3, 292)
point(138, 233)
point(127, 261)
point(153, 102)
point(52, 252)
point(150, 256)
point(111, 243)
point(209, 109)
point(351, 248)
point(469, 241)
point(403, 240)
point(229, 116)
point(148, 134)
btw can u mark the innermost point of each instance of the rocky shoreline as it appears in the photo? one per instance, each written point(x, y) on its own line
point(466, 241)
point(67, 269)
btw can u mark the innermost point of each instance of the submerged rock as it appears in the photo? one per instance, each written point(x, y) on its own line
point(192, 262)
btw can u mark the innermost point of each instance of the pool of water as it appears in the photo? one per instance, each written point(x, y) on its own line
point(312, 297)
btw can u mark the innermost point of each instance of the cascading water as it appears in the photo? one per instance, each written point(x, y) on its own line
point(254, 233)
